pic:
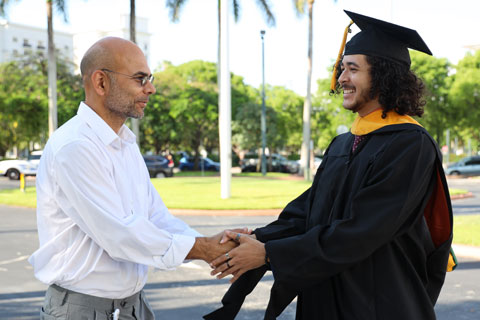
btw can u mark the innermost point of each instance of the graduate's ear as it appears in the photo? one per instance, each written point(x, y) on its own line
point(100, 82)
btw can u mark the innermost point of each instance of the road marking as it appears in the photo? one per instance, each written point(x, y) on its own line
point(191, 265)
point(14, 260)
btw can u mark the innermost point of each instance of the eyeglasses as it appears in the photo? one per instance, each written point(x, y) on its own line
point(142, 79)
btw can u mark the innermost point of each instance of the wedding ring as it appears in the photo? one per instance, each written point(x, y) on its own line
point(237, 238)
point(226, 255)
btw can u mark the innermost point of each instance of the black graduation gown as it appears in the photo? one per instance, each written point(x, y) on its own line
point(369, 240)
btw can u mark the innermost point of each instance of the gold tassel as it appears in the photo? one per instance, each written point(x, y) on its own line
point(333, 83)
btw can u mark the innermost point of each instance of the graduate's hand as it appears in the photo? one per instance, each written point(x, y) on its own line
point(250, 254)
point(245, 231)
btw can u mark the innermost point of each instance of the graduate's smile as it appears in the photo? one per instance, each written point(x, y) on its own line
point(348, 92)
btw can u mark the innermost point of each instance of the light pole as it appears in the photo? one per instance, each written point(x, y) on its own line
point(263, 117)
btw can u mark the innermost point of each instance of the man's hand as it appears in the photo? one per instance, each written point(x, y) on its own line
point(209, 248)
point(250, 254)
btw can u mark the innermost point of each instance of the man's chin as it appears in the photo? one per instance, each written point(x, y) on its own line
point(138, 115)
point(350, 107)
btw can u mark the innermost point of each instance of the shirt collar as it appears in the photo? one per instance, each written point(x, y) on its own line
point(374, 121)
point(103, 130)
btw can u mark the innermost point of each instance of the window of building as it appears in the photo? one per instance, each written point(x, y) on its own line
point(26, 43)
point(40, 45)
point(14, 39)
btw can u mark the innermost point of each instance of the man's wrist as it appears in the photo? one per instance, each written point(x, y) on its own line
point(198, 250)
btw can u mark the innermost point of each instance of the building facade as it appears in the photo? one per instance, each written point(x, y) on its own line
point(17, 40)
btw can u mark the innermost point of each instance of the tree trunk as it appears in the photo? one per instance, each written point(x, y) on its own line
point(52, 73)
point(307, 107)
point(218, 53)
point(133, 38)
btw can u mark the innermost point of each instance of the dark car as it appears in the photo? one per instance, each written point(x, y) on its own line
point(158, 166)
point(468, 166)
point(187, 163)
point(279, 164)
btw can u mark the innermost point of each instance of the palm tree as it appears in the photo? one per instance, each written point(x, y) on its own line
point(307, 106)
point(133, 38)
point(52, 66)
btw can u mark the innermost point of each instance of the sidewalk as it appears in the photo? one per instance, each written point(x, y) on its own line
point(466, 251)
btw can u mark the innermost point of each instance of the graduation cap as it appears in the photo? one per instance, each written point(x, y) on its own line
point(380, 39)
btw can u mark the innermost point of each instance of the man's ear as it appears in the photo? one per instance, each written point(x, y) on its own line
point(100, 82)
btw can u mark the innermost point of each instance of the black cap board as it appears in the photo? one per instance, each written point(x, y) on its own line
point(383, 39)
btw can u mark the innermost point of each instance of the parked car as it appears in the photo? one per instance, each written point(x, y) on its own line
point(468, 166)
point(158, 166)
point(187, 163)
point(317, 160)
point(13, 168)
point(279, 163)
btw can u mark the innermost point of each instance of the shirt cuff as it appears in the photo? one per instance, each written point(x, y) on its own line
point(175, 255)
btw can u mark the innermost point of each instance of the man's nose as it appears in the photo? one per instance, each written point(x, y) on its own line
point(150, 88)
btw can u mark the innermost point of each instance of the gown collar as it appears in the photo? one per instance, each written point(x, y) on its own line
point(373, 121)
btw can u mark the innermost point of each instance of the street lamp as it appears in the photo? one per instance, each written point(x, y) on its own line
point(263, 120)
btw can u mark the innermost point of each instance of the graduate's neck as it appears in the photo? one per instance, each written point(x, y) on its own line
point(369, 107)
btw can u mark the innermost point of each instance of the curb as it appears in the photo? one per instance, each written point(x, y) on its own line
point(466, 251)
point(241, 212)
point(461, 196)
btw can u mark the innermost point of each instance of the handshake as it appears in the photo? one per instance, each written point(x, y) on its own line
point(230, 252)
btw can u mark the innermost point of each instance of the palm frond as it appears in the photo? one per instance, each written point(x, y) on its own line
point(3, 5)
point(265, 5)
point(299, 6)
point(175, 6)
point(61, 7)
point(236, 10)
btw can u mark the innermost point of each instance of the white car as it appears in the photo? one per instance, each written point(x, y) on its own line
point(13, 168)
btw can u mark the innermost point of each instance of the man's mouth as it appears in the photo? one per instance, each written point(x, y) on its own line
point(143, 102)
point(347, 91)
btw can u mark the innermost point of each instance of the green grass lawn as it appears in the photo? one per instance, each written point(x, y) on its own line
point(466, 230)
point(15, 197)
point(246, 193)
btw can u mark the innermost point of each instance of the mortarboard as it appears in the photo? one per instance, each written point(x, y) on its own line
point(380, 39)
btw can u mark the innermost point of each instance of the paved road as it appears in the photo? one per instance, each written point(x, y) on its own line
point(468, 205)
point(6, 183)
point(189, 292)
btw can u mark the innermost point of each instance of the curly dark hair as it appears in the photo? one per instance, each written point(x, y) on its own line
point(397, 87)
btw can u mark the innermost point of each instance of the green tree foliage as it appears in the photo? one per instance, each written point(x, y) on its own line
point(184, 112)
point(246, 130)
point(24, 101)
point(288, 107)
point(328, 116)
point(465, 97)
point(439, 113)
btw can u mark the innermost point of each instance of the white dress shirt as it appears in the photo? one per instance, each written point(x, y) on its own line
point(101, 222)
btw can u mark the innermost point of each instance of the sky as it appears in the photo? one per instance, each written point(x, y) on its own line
point(446, 26)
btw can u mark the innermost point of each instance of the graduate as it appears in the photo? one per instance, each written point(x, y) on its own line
point(370, 239)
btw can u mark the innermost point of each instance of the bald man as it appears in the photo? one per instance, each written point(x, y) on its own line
point(101, 222)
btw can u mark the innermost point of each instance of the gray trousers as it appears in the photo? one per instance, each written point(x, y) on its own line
point(63, 304)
